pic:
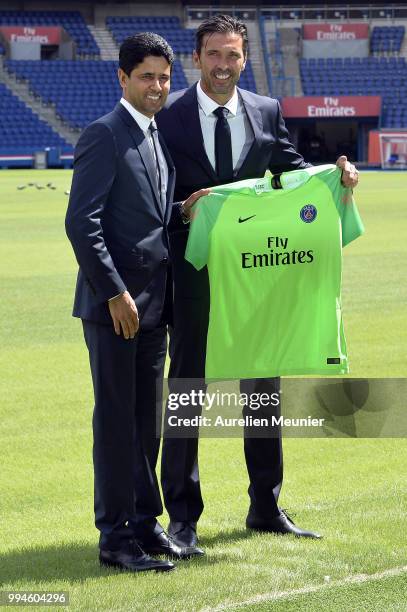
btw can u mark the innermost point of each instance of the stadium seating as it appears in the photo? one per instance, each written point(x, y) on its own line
point(20, 127)
point(181, 40)
point(386, 38)
point(247, 80)
point(71, 21)
point(81, 91)
point(368, 76)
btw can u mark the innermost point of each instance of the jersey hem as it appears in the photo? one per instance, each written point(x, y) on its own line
point(286, 372)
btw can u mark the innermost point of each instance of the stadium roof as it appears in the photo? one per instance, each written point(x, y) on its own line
point(219, 4)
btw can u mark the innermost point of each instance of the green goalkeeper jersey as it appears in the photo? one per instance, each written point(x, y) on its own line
point(274, 259)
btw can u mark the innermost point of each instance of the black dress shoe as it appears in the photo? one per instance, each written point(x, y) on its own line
point(183, 533)
point(163, 544)
point(133, 559)
point(281, 524)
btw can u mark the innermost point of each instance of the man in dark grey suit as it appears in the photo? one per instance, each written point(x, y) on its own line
point(218, 133)
point(117, 220)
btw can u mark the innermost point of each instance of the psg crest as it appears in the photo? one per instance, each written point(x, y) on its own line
point(308, 213)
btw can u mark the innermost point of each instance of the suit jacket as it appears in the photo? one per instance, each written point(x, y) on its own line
point(115, 221)
point(180, 126)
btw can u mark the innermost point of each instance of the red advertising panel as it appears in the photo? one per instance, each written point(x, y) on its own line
point(42, 35)
point(331, 107)
point(335, 31)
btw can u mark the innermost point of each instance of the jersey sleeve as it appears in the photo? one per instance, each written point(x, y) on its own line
point(204, 215)
point(352, 226)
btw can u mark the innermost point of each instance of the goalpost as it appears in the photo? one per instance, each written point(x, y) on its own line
point(393, 150)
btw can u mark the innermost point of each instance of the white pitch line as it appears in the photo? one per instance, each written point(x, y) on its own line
point(276, 595)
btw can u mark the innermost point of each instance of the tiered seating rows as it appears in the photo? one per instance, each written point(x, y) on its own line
point(19, 126)
point(386, 77)
point(181, 40)
point(386, 38)
point(81, 91)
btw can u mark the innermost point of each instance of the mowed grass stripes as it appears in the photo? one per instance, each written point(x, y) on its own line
point(353, 491)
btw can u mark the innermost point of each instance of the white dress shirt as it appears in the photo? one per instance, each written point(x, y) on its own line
point(240, 128)
point(144, 124)
point(142, 120)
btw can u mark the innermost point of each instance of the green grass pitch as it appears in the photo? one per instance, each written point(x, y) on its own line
point(353, 491)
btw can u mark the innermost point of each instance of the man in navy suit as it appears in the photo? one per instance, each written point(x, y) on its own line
point(218, 133)
point(117, 220)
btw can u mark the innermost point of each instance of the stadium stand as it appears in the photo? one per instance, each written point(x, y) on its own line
point(71, 21)
point(368, 76)
point(387, 39)
point(247, 80)
point(25, 129)
point(182, 40)
point(81, 91)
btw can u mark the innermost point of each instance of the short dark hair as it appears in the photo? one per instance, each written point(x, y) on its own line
point(222, 24)
point(136, 48)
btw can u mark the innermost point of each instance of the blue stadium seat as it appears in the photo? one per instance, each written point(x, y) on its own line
point(387, 39)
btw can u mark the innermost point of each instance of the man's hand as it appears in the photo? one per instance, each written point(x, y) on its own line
point(124, 313)
point(188, 204)
point(350, 176)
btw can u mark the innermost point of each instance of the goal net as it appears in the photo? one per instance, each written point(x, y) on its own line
point(393, 150)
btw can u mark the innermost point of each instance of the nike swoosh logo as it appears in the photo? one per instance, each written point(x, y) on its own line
point(246, 219)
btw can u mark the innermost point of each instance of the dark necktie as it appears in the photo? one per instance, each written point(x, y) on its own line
point(223, 146)
point(159, 162)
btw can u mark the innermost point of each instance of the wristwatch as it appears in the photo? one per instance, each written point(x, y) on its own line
point(184, 216)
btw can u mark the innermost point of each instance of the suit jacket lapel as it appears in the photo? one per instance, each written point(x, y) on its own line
point(256, 122)
point(193, 132)
point(145, 154)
